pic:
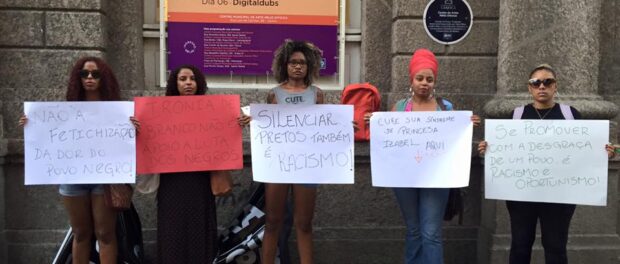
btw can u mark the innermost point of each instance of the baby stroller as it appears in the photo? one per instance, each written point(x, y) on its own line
point(241, 243)
point(128, 236)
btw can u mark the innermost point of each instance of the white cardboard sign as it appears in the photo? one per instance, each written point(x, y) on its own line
point(302, 143)
point(421, 149)
point(555, 161)
point(79, 143)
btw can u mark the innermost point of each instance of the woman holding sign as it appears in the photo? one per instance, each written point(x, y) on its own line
point(554, 217)
point(186, 212)
point(91, 79)
point(423, 208)
point(296, 65)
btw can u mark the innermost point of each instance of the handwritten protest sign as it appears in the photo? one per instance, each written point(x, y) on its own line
point(188, 133)
point(556, 161)
point(302, 143)
point(79, 142)
point(421, 149)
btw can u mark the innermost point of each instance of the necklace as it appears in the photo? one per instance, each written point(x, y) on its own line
point(545, 115)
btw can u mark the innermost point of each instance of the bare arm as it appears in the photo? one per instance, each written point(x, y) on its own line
point(244, 120)
point(611, 150)
point(320, 96)
point(22, 121)
point(482, 147)
point(476, 120)
point(271, 97)
point(136, 123)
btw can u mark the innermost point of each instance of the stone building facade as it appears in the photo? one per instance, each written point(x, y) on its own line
point(40, 39)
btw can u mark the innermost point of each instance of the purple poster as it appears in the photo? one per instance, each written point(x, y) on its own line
point(244, 49)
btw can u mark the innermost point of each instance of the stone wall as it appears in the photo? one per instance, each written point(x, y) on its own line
point(39, 42)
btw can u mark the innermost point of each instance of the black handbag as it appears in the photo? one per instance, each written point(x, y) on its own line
point(454, 206)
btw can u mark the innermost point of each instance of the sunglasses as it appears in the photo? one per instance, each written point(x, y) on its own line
point(295, 63)
point(85, 73)
point(545, 82)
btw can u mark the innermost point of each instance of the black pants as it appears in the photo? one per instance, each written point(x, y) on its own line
point(554, 225)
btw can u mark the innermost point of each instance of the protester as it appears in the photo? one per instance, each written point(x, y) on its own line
point(423, 208)
point(554, 217)
point(91, 79)
point(186, 213)
point(296, 65)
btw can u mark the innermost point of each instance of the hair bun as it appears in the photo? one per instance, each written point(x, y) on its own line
point(544, 66)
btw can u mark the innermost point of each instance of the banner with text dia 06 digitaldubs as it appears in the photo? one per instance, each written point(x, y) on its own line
point(239, 37)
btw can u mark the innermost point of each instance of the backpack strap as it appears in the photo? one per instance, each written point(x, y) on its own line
point(407, 106)
point(401, 105)
point(440, 103)
point(319, 96)
point(566, 112)
point(518, 112)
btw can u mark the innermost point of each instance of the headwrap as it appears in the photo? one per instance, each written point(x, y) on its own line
point(422, 59)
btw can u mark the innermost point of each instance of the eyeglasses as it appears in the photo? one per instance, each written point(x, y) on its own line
point(546, 82)
point(85, 73)
point(295, 63)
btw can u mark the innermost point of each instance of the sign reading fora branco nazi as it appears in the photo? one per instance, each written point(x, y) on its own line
point(188, 133)
point(302, 143)
point(448, 21)
point(79, 143)
point(421, 149)
point(555, 161)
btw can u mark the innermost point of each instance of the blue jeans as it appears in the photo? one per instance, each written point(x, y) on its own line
point(80, 189)
point(423, 210)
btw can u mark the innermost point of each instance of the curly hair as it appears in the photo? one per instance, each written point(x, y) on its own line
point(201, 82)
point(283, 54)
point(109, 89)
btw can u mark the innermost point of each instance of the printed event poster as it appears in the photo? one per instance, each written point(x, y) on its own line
point(554, 161)
point(79, 143)
point(188, 133)
point(239, 37)
point(302, 143)
point(421, 149)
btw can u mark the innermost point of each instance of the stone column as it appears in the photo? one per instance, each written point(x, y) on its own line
point(566, 35)
point(376, 40)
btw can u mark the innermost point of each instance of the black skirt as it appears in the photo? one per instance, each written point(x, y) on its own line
point(186, 219)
